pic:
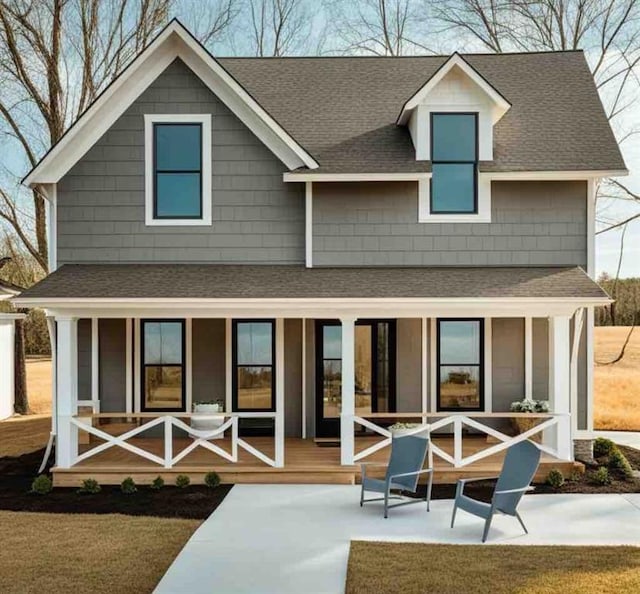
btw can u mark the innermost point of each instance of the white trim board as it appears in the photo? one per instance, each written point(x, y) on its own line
point(173, 42)
point(149, 175)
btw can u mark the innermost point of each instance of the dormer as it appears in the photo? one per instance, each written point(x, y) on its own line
point(456, 87)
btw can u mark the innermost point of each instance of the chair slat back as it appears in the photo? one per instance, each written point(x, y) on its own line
point(408, 453)
point(518, 470)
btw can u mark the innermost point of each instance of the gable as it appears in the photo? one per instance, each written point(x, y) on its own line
point(173, 42)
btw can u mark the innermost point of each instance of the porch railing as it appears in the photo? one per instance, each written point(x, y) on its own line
point(555, 427)
point(201, 438)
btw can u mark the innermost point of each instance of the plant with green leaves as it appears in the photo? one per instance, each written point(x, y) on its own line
point(128, 486)
point(603, 447)
point(212, 479)
point(601, 476)
point(90, 487)
point(157, 483)
point(555, 478)
point(182, 481)
point(619, 462)
point(530, 406)
point(41, 485)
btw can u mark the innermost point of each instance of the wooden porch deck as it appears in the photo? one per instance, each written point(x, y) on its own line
point(305, 462)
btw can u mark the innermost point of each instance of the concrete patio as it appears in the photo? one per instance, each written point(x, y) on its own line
point(295, 538)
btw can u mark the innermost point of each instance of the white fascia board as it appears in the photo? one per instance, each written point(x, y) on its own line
point(456, 60)
point(578, 175)
point(173, 42)
point(353, 177)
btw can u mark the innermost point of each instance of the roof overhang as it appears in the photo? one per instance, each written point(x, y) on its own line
point(174, 41)
point(501, 104)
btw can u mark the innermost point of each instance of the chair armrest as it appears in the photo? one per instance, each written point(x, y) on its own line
point(417, 472)
point(521, 490)
point(463, 481)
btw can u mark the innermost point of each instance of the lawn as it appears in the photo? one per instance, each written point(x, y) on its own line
point(413, 568)
point(617, 386)
point(39, 384)
point(79, 553)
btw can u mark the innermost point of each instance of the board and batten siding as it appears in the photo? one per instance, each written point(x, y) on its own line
point(537, 223)
point(257, 218)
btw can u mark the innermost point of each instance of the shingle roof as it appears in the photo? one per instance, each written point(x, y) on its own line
point(170, 281)
point(343, 110)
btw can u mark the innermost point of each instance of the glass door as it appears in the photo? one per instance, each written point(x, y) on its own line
point(374, 371)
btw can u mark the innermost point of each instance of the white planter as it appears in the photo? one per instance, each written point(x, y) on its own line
point(207, 418)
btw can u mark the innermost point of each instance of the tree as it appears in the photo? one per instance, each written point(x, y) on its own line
point(378, 27)
point(56, 56)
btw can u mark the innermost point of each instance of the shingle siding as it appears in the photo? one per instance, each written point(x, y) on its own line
point(533, 224)
point(256, 216)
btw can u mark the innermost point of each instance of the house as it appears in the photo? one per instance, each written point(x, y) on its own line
point(324, 246)
point(7, 348)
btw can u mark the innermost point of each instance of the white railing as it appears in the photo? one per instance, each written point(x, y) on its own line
point(555, 427)
point(201, 438)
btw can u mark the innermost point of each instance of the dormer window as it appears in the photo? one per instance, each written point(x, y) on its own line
point(178, 169)
point(454, 150)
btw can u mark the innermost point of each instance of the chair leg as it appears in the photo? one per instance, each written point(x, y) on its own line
point(386, 503)
point(429, 485)
point(522, 523)
point(362, 495)
point(453, 515)
point(487, 525)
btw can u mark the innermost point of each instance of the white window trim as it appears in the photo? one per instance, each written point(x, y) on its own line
point(484, 204)
point(205, 121)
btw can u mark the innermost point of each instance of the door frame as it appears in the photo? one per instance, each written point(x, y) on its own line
point(331, 427)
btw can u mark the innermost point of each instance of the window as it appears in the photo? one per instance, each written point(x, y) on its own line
point(178, 169)
point(253, 373)
point(454, 158)
point(163, 375)
point(460, 373)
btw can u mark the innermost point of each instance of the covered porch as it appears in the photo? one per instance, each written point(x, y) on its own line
point(530, 328)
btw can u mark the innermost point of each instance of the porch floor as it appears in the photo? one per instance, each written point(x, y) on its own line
point(305, 463)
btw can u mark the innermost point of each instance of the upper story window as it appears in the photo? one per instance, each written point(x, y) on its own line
point(178, 169)
point(454, 158)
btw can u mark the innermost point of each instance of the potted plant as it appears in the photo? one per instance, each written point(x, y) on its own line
point(522, 424)
point(207, 416)
point(398, 429)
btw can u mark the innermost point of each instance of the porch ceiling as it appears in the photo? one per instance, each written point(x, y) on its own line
point(139, 282)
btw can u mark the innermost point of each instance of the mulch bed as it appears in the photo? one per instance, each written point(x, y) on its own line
point(16, 475)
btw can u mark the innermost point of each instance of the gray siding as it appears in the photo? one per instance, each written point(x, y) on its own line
point(507, 360)
point(112, 366)
point(257, 218)
point(293, 378)
point(310, 375)
point(533, 223)
point(84, 359)
point(208, 360)
point(540, 359)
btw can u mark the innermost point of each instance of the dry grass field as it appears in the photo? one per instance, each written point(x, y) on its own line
point(617, 386)
point(39, 385)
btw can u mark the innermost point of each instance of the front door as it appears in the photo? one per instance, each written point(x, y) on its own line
point(374, 371)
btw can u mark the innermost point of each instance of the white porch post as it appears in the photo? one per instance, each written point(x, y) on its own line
point(528, 358)
point(95, 365)
point(347, 445)
point(279, 421)
point(67, 392)
point(559, 382)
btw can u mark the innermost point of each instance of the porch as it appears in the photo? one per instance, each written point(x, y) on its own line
point(112, 450)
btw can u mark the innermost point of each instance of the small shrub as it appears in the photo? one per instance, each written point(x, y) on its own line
point(601, 476)
point(90, 487)
point(555, 478)
point(618, 461)
point(41, 485)
point(212, 479)
point(603, 447)
point(128, 486)
point(157, 483)
point(182, 481)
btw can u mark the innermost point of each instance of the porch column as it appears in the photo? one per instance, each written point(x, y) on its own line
point(279, 420)
point(348, 391)
point(559, 382)
point(67, 392)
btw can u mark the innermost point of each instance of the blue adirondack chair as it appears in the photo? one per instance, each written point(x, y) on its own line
point(408, 453)
point(518, 470)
